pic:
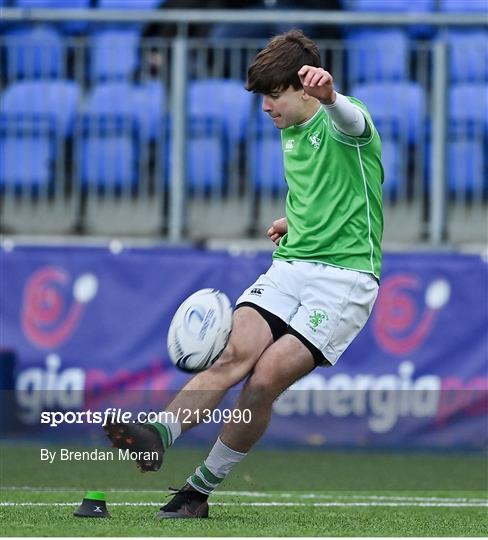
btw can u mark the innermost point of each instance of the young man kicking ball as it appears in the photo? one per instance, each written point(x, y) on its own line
point(322, 284)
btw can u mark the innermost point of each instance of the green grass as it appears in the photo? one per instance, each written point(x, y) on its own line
point(313, 494)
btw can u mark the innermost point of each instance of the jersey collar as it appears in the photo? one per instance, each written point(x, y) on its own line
point(311, 120)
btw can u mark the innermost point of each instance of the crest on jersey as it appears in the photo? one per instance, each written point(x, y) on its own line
point(315, 140)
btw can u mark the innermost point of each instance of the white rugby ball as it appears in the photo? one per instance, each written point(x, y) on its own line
point(200, 330)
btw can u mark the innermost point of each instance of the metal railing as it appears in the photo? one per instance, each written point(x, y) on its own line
point(195, 158)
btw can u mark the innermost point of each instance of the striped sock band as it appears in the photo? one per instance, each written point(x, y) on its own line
point(169, 431)
point(220, 461)
point(164, 433)
point(204, 480)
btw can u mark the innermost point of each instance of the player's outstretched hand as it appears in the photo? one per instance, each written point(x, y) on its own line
point(277, 230)
point(317, 83)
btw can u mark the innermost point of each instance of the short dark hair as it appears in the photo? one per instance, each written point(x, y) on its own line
point(276, 67)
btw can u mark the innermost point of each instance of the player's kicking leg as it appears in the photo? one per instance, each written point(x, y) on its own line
point(250, 336)
point(279, 367)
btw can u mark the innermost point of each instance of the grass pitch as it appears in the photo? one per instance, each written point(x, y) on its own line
point(272, 493)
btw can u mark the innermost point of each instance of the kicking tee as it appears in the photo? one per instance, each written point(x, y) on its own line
point(334, 200)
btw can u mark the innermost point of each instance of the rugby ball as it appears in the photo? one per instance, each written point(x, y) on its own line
point(200, 330)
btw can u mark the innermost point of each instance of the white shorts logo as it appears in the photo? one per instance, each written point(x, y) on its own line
point(316, 318)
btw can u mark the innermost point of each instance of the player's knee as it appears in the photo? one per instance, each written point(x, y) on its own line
point(260, 389)
point(230, 368)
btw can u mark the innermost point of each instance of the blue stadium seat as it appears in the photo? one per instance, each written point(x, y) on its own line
point(205, 159)
point(468, 136)
point(150, 104)
point(112, 98)
point(393, 158)
point(468, 56)
point(35, 117)
point(27, 160)
point(34, 52)
point(266, 159)
point(397, 108)
point(55, 99)
point(377, 55)
point(114, 54)
point(468, 109)
point(218, 109)
point(108, 161)
point(110, 136)
point(118, 119)
point(205, 165)
point(461, 6)
point(466, 166)
point(144, 105)
point(225, 100)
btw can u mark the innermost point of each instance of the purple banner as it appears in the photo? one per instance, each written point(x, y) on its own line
point(85, 322)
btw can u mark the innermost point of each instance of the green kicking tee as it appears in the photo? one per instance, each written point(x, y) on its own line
point(334, 200)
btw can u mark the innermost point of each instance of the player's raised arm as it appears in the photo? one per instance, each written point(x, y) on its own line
point(319, 84)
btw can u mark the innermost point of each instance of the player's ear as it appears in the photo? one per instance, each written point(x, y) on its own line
point(305, 96)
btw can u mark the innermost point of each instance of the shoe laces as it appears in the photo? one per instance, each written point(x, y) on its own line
point(180, 497)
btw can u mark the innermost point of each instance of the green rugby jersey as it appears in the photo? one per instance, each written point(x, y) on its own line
point(334, 200)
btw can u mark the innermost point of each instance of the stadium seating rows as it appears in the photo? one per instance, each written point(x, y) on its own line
point(35, 118)
point(373, 54)
point(34, 52)
point(377, 55)
point(118, 118)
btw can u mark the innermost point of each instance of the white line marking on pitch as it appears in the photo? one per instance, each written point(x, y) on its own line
point(278, 504)
point(269, 495)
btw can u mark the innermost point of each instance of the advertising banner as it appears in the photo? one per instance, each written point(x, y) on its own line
point(89, 324)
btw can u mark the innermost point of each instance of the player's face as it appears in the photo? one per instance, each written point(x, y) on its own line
point(285, 108)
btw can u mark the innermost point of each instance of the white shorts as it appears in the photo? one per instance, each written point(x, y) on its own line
point(324, 306)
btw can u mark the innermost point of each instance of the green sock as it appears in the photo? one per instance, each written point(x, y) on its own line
point(168, 431)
